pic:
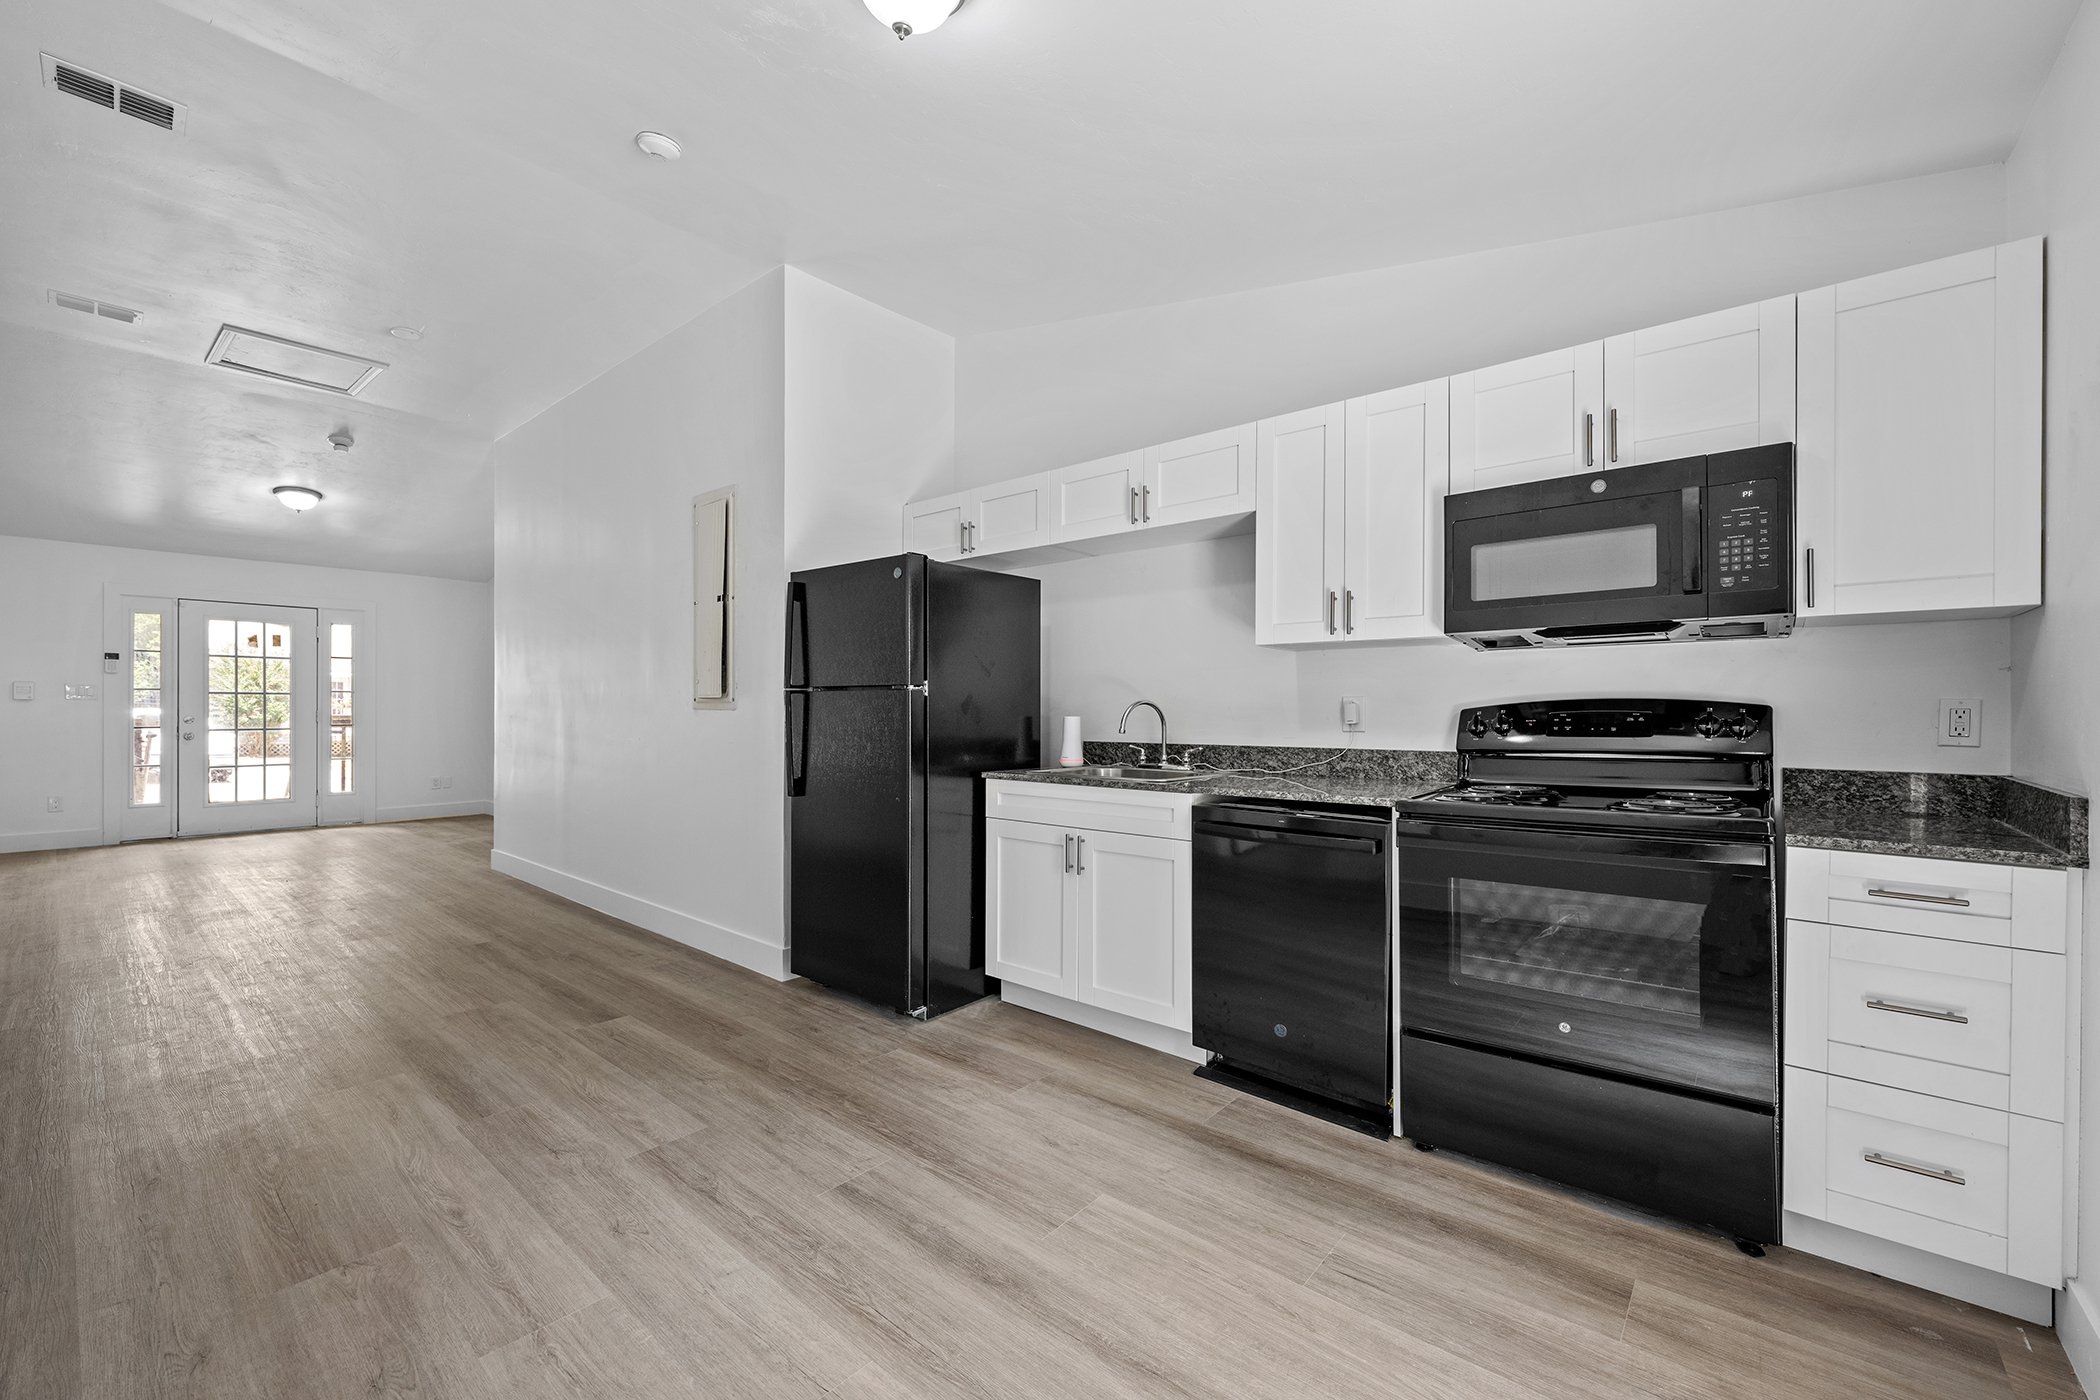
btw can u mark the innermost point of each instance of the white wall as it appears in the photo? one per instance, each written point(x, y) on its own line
point(1047, 396)
point(870, 422)
point(428, 687)
point(611, 788)
point(2053, 188)
point(1176, 626)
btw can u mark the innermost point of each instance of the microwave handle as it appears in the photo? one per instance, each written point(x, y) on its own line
point(1694, 536)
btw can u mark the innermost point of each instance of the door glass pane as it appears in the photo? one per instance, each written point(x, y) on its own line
point(1550, 566)
point(248, 738)
point(145, 709)
point(1628, 950)
point(341, 727)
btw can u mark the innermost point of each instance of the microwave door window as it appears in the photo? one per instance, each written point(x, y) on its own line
point(1586, 563)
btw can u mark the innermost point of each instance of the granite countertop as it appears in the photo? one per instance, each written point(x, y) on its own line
point(1346, 777)
point(1997, 821)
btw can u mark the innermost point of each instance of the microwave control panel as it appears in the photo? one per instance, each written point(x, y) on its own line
point(1745, 540)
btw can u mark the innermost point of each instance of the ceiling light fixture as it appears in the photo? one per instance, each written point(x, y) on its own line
point(301, 498)
point(406, 332)
point(658, 145)
point(908, 17)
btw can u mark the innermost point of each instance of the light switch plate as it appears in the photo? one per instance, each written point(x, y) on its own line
point(25, 690)
point(80, 692)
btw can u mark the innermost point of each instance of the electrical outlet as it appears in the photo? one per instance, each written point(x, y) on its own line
point(1961, 724)
point(435, 784)
point(54, 804)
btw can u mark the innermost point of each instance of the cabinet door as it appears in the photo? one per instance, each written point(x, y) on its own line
point(1398, 461)
point(1025, 873)
point(1097, 498)
point(1298, 526)
point(1712, 383)
point(934, 527)
point(1011, 515)
point(1529, 420)
point(1920, 449)
point(1129, 918)
point(1198, 478)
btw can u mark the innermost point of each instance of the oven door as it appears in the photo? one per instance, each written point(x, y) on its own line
point(1594, 555)
point(1651, 957)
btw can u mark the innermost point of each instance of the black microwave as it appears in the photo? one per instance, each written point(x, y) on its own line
point(1671, 551)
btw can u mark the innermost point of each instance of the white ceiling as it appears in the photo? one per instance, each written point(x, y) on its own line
point(466, 165)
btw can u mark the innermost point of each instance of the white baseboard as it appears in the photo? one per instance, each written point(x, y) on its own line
point(423, 811)
point(49, 840)
point(2015, 1297)
point(1094, 1018)
point(2078, 1328)
point(765, 958)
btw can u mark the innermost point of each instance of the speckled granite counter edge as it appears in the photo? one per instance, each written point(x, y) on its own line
point(1940, 816)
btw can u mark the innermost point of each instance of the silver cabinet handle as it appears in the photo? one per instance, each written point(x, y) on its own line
point(1079, 868)
point(1877, 1004)
point(1613, 435)
point(1068, 853)
point(1348, 610)
point(1589, 439)
point(963, 533)
point(1145, 494)
point(1898, 1164)
point(1133, 505)
point(1954, 899)
point(1811, 576)
point(1332, 599)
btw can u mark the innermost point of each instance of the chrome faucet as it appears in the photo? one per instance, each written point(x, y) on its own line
point(1124, 728)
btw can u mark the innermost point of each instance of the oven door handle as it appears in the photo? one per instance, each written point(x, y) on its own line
point(1513, 842)
point(1694, 536)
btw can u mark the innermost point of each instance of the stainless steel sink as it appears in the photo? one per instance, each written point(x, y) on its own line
point(1140, 773)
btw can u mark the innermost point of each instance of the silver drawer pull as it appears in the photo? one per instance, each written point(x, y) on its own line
point(1877, 1004)
point(1954, 899)
point(1897, 1164)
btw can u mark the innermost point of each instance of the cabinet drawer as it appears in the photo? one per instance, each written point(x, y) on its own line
point(1928, 1156)
point(1937, 898)
point(1924, 997)
point(1091, 808)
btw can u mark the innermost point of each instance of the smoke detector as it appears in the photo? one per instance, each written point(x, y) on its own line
point(658, 145)
point(341, 440)
point(92, 307)
point(291, 362)
point(105, 91)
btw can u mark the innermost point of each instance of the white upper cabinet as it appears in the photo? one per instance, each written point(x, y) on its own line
point(1529, 420)
point(1348, 537)
point(987, 520)
point(934, 527)
point(1920, 473)
point(1097, 498)
point(1198, 478)
point(1298, 536)
point(1712, 383)
point(1398, 454)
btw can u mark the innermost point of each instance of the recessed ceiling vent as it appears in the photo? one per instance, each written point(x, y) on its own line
point(290, 362)
point(92, 307)
point(105, 91)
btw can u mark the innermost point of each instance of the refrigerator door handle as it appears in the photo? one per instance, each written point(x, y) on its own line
point(798, 634)
point(798, 743)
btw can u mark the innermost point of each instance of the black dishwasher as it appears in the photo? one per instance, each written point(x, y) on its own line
point(1291, 956)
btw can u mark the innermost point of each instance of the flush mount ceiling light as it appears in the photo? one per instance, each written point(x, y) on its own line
point(300, 498)
point(657, 145)
point(405, 332)
point(909, 17)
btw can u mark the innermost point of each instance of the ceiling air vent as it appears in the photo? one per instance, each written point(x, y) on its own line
point(105, 91)
point(92, 307)
point(290, 362)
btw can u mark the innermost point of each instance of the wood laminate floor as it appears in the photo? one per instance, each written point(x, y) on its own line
point(344, 1114)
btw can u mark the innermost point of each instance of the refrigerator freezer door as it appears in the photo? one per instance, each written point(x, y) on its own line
point(858, 624)
point(856, 842)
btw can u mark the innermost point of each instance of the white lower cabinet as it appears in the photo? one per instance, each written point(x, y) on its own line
point(1930, 1040)
point(1094, 914)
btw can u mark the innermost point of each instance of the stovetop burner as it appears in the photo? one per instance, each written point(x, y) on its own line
point(1500, 795)
point(1688, 804)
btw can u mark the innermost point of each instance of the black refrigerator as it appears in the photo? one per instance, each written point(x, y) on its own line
point(906, 679)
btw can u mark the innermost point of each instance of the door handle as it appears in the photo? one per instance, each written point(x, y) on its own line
point(1877, 1004)
point(1348, 611)
point(1079, 868)
point(1589, 439)
point(1878, 1159)
point(1955, 900)
point(1694, 536)
point(1612, 438)
point(798, 634)
point(1811, 576)
point(1145, 495)
point(1133, 505)
point(1332, 599)
point(798, 744)
point(1068, 853)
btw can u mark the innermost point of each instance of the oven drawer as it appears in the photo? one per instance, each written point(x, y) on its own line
point(1971, 902)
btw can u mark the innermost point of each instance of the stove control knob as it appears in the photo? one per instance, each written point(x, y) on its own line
point(1503, 723)
point(1708, 725)
point(1477, 726)
point(1743, 726)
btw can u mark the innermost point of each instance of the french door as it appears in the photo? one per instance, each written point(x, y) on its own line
point(246, 731)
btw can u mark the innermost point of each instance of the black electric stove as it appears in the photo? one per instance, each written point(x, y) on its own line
point(1589, 953)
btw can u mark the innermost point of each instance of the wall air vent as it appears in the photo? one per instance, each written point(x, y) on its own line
point(291, 362)
point(92, 307)
point(105, 91)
